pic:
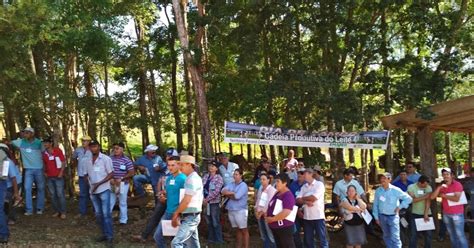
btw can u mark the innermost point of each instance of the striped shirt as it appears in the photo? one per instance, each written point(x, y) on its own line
point(122, 165)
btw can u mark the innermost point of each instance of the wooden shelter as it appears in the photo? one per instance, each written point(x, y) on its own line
point(451, 116)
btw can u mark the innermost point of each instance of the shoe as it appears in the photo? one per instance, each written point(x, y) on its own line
point(138, 238)
point(109, 243)
point(3, 240)
point(123, 224)
point(101, 239)
point(28, 214)
point(55, 215)
point(40, 212)
point(62, 216)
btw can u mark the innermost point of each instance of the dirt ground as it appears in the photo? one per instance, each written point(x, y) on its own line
point(46, 231)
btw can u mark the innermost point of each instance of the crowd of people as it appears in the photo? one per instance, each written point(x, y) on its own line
point(285, 202)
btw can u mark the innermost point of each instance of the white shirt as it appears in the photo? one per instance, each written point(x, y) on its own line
point(99, 170)
point(228, 173)
point(316, 188)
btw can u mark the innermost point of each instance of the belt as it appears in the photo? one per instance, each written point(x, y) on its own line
point(388, 214)
point(190, 214)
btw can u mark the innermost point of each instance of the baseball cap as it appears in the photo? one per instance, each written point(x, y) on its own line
point(29, 129)
point(4, 146)
point(446, 170)
point(172, 152)
point(388, 175)
point(317, 168)
point(47, 140)
point(94, 143)
point(151, 148)
point(87, 137)
point(309, 170)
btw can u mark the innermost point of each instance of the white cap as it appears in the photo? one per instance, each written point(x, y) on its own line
point(151, 148)
point(4, 146)
point(29, 129)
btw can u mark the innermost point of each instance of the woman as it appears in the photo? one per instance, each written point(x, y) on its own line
point(264, 194)
point(212, 187)
point(354, 226)
point(282, 228)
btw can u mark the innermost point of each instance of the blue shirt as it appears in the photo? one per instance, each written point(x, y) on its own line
point(173, 186)
point(13, 171)
point(403, 186)
point(411, 177)
point(30, 153)
point(241, 196)
point(386, 201)
point(340, 188)
point(150, 164)
point(295, 188)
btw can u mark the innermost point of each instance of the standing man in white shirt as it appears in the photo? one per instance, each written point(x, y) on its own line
point(99, 172)
point(227, 168)
point(312, 198)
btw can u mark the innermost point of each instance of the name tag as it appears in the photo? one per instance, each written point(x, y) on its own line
point(96, 168)
point(155, 165)
point(382, 198)
point(226, 175)
point(51, 157)
point(297, 193)
point(28, 150)
point(263, 199)
point(421, 192)
point(122, 167)
point(212, 186)
point(172, 182)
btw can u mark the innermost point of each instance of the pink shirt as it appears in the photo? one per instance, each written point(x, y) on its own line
point(454, 187)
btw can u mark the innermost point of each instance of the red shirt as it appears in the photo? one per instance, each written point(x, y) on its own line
point(50, 166)
point(454, 187)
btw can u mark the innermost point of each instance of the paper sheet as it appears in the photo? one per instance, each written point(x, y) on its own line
point(5, 167)
point(367, 216)
point(462, 199)
point(59, 164)
point(279, 207)
point(263, 199)
point(122, 187)
point(421, 225)
point(168, 229)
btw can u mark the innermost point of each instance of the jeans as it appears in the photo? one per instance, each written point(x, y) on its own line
point(122, 203)
point(83, 196)
point(296, 235)
point(4, 232)
point(266, 234)
point(158, 236)
point(471, 228)
point(154, 220)
point(138, 181)
point(37, 176)
point(455, 226)
point(188, 232)
point(312, 226)
point(11, 210)
point(442, 230)
point(56, 190)
point(284, 237)
point(390, 225)
point(414, 233)
point(101, 202)
point(214, 223)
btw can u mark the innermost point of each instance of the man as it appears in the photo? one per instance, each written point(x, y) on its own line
point(340, 188)
point(295, 188)
point(387, 204)
point(453, 216)
point(311, 197)
point(226, 169)
point(188, 214)
point(412, 174)
point(237, 192)
point(261, 167)
point(30, 150)
point(318, 175)
point(170, 196)
point(123, 171)
point(14, 182)
point(151, 167)
point(469, 190)
point(403, 181)
point(81, 156)
point(420, 192)
point(290, 164)
point(55, 162)
point(99, 172)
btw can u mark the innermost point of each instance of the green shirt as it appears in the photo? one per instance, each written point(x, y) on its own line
point(419, 207)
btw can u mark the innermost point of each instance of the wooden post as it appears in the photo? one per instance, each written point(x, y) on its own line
point(470, 150)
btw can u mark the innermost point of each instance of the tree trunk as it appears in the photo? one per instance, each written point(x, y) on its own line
point(447, 150)
point(197, 79)
point(189, 109)
point(91, 120)
point(351, 156)
point(174, 94)
point(409, 145)
point(154, 106)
